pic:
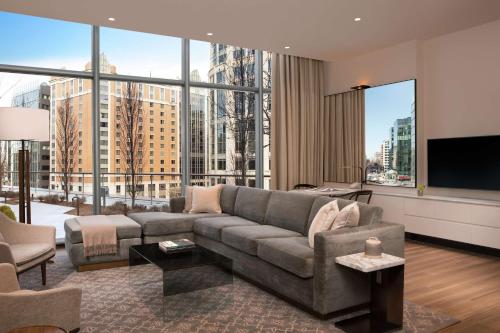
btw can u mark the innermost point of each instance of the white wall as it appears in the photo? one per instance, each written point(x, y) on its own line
point(458, 88)
point(396, 63)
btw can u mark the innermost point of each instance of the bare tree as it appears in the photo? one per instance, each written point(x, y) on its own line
point(235, 110)
point(3, 165)
point(67, 143)
point(266, 79)
point(132, 141)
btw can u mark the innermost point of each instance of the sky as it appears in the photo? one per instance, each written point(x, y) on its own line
point(40, 42)
point(383, 105)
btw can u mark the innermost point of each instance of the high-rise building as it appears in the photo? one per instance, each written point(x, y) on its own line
point(231, 125)
point(158, 126)
point(33, 95)
point(199, 124)
point(401, 146)
point(385, 149)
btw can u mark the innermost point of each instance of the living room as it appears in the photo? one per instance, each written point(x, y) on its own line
point(342, 170)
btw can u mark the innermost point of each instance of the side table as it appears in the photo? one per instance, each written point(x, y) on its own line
point(386, 302)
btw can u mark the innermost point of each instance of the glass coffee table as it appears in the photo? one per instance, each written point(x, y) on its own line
point(186, 271)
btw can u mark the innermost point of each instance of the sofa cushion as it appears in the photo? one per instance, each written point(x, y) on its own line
point(161, 223)
point(245, 238)
point(251, 203)
point(24, 253)
point(289, 210)
point(125, 228)
point(211, 227)
point(368, 214)
point(292, 254)
point(228, 198)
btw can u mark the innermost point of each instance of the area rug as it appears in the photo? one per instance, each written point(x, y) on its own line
point(114, 302)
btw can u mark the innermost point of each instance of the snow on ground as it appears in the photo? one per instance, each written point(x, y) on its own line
point(47, 214)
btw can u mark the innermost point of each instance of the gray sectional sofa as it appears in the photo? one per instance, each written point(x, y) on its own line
point(265, 234)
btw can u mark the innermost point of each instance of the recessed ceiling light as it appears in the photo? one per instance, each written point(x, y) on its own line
point(287, 47)
point(112, 19)
point(210, 33)
point(357, 19)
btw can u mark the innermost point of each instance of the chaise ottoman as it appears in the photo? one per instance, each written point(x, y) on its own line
point(160, 226)
point(128, 233)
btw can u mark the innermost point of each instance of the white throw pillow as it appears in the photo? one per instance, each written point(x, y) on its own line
point(188, 201)
point(206, 200)
point(323, 220)
point(347, 217)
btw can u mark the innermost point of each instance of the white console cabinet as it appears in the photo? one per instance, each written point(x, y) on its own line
point(458, 219)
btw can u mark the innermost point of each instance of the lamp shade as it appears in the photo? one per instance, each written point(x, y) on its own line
point(24, 124)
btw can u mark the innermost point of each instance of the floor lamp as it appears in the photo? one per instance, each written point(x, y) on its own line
point(24, 125)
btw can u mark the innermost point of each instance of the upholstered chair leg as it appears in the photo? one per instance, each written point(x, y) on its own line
point(44, 272)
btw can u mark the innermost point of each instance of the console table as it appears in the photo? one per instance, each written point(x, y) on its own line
point(386, 302)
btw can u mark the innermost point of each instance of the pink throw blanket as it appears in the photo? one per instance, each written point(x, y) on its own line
point(99, 235)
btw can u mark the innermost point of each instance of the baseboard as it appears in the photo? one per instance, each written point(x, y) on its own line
point(102, 265)
point(454, 244)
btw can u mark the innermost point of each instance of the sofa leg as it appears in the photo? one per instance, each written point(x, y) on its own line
point(43, 266)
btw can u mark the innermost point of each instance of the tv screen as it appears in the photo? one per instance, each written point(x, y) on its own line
point(469, 163)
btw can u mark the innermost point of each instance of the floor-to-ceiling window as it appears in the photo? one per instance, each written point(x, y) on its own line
point(128, 145)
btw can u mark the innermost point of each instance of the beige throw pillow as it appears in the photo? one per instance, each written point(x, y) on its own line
point(206, 200)
point(323, 220)
point(347, 217)
point(188, 201)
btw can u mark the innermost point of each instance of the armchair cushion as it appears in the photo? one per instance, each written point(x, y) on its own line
point(24, 253)
point(1, 238)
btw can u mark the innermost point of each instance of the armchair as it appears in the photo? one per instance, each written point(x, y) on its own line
point(26, 246)
point(59, 307)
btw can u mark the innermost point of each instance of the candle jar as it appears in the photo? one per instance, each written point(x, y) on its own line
point(373, 248)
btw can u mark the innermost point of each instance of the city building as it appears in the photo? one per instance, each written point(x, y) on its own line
point(33, 95)
point(231, 117)
point(385, 156)
point(159, 126)
point(401, 147)
point(199, 126)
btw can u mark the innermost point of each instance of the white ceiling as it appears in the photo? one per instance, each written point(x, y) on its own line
point(321, 29)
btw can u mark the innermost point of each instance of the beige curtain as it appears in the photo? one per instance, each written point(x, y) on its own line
point(297, 114)
point(344, 145)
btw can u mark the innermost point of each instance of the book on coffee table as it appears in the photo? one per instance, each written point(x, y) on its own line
point(176, 245)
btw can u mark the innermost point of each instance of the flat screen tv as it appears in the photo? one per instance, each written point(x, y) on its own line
point(469, 163)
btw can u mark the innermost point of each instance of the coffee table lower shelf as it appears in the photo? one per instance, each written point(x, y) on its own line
point(186, 271)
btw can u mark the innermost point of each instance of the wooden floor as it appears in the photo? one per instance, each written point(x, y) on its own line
point(461, 284)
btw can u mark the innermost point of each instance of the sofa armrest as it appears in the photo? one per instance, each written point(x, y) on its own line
point(177, 204)
point(337, 287)
point(56, 307)
point(8, 278)
point(20, 233)
point(6, 255)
